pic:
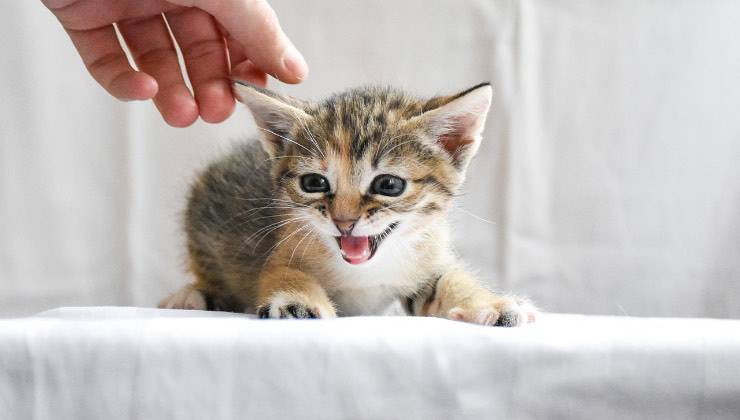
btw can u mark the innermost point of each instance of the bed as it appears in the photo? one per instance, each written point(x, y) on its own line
point(125, 362)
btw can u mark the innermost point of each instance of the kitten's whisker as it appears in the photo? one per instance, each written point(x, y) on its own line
point(298, 245)
point(264, 235)
point(285, 157)
point(393, 206)
point(281, 223)
point(282, 241)
point(268, 207)
point(246, 215)
point(397, 146)
point(267, 230)
point(257, 209)
point(242, 214)
point(271, 228)
point(311, 137)
point(274, 215)
point(308, 245)
point(272, 199)
point(386, 141)
point(475, 216)
point(289, 140)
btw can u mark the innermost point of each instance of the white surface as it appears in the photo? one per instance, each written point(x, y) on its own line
point(609, 168)
point(122, 363)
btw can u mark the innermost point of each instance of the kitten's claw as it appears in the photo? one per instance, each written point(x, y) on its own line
point(284, 307)
point(185, 298)
point(292, 310)
point(502, 312)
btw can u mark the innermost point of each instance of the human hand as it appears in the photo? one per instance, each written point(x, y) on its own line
point(218, 40)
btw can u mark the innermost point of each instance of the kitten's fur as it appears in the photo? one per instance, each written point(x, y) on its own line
point(258, 242)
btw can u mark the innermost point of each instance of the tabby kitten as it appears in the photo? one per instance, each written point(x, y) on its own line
point(342, 211)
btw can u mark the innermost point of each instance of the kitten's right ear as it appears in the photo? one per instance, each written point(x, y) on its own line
point(274, 114)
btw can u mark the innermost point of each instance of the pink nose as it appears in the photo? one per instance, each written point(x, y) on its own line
point(345, 226)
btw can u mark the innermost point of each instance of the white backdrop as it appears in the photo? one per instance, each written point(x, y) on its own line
point(609, 175)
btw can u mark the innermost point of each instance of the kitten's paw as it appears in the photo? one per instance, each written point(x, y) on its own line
point(186, 298)
point(502, 312)
point(281, 306)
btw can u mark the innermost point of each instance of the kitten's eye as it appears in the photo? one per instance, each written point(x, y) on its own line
point(314, 183)
point(388, 185)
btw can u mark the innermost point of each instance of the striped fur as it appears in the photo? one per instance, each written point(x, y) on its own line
point(258, 242)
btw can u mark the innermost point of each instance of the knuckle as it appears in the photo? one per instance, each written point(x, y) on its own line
point(154, 55)
point(103, 62)
point(201, 49)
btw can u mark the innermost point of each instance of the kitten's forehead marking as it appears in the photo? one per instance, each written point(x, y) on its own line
point(362, 118)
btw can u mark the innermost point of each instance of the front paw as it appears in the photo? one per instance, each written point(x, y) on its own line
point(500, 312)
point(292, 307)
point(188, 297)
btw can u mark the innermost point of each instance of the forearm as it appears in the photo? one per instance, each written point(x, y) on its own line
point(459, 295)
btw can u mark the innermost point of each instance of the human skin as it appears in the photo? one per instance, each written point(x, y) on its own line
point(219, 39)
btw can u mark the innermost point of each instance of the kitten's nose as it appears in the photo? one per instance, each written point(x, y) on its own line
point(345, 226)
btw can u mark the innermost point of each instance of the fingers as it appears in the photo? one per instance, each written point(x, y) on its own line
point(246, 71)
point(204, 52)
point(107, 63)
point(241, 67)
point(257, 45)
point(154, 53)
point(254, 25)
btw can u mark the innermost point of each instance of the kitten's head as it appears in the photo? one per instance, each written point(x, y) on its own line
point(369, 164)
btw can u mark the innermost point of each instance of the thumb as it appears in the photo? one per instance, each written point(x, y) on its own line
point(255, 26)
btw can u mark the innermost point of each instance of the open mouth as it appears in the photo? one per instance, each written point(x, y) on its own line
point(358, 249)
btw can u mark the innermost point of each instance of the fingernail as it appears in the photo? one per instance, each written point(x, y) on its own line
point(295, 63)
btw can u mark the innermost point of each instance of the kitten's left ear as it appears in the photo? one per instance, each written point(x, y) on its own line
point(456, 122)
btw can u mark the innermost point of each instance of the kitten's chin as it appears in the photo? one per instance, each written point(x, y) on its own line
point(357, 250)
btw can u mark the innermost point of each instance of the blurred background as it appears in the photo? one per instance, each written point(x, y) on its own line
point(608, 181)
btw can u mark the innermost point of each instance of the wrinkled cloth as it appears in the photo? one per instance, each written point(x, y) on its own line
point(122, 363)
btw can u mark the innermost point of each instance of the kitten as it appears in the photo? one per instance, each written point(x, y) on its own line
point(341, 211)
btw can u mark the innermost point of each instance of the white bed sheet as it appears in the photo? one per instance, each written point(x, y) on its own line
point(124, 363)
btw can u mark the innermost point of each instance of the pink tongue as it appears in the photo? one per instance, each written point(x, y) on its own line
point(355, 249)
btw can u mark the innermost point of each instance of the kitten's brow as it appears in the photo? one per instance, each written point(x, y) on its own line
point(311, 137)
point(385, 152)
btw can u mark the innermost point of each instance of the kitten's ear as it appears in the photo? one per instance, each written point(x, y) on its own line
point(456, 122)
point(274, 114)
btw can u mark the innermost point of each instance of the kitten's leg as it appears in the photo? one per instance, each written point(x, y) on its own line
point(188, 297)
point(459, 296)
point(288, 293)
point(199, 294)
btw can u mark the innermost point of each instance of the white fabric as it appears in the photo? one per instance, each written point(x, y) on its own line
point(123, 363)
point(608, 173)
